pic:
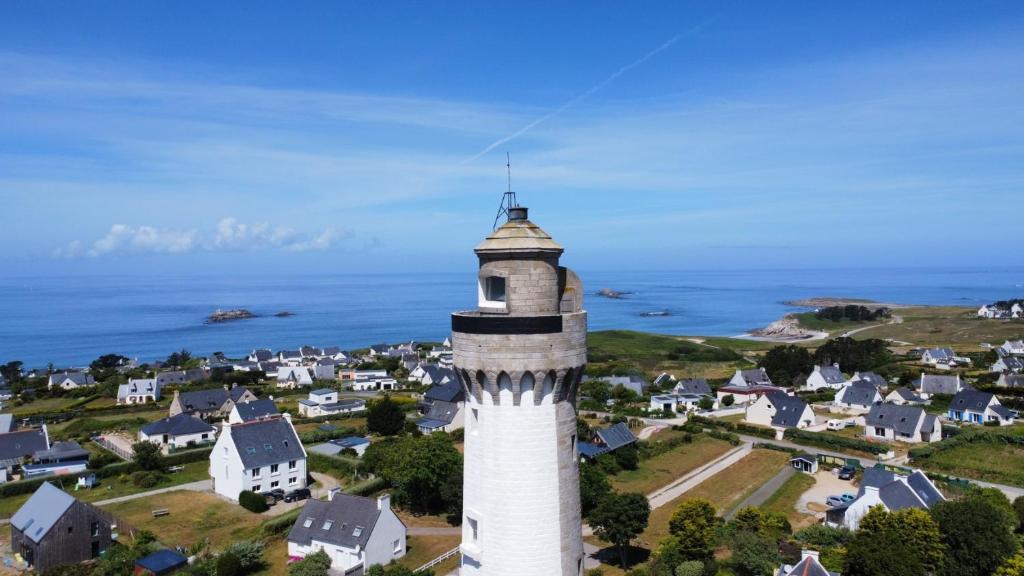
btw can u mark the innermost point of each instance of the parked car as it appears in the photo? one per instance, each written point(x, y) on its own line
point(836, 424)
point(297, 495)
point(834, 501)
point(847, 472)
point(274, 496)
point(847, 497)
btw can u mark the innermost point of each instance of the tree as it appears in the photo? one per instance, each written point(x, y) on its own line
point(754, 554)
point(1014, 565)
point(228, 565)
point(315, 564)
point(179, 358)
point(997, 499)
point(596, 390)
point(728, 400)
point(627, 457)
point(619, 518)
point(854, 355)
point(785, 363)
point(148, 456)
point(706, 403)
point(1018, 507)
point(420, 469)
point(693, 524)
point(385, 417)
point(395, 570)
point(977, 535)
point(12, 371)
point(106, 366)
point(249, 554)
point(903, 543)
point(690, 568)
point(594, 487)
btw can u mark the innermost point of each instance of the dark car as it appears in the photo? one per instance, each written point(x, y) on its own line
point(297, 495)
point(274, 496)
point(847, 472)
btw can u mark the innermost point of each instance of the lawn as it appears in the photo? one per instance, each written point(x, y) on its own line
point(194, 516)
point(423, 549)
point(661, 470)
point(990, 462)
point(654, 353)
point(786, 497)
point(44, 405)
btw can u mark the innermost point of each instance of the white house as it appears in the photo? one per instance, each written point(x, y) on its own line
point(294, 377)
point(679, 402)
point(1007, 364)
point(780, 410)
point(991, 311)
point(252, 410)
point(335, 447)
point(891, 491)
point(1010, 381)
point(443, 408)
point(324, 369)
point(939, 357)
point(1013, 347)
point(354, 532)
point(753, 377)
point(809, 565)
point(290, 357)
point(857, 396)
point(1016, 311)
point(826, 377)
point(903, 396)
point(974, 407)
point(365, 380)
point(261, 455)
point(892, 422)
point(69, 380)
point(931, 384)
point(261, 355)
point(138, 391)
point(178, 431)
point(325, 401)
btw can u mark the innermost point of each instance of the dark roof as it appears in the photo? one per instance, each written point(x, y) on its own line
point(908, 394)
point(62, 452)
point(971, 400)
point(591, 451)
point(248, 411)
point(871, 377)
point(43, 509)
point(350, 442)
point(80, 378)
point(755, 376)
point(808, 567)
point(805, 457)
point(16, 445)
point(925, 490)
point(349, 515)
point(876, 477)
point(176, 426)
point(903, 419)
point(939, 384)
point(331, 351)
point(831, 374)
point(1004, 412)
point(899, 496)
point(262, 354)
point(437, 374)
point(447, 392)
point(203, 400)
point(860, 393)
point(265, 442)
point(323, 391)
point(431, 423)
point(788, 409)
point(693, 386)
point(162, 562)
point(615, 436)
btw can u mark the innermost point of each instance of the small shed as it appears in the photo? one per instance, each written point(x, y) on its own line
point(159, 563)
point(87, 481)
point(805, 463)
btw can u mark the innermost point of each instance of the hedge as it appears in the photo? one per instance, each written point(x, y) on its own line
point(733, 427)
point(727, 436)
point(834, 442)
point(252, 501)
point(367, 487)
point(776, 447)
point(325, 435)
point(331, 465)
point(966, 438)
point(22, 486)
point(282, 523)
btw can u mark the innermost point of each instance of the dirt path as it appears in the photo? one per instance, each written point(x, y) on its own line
point(764, 492)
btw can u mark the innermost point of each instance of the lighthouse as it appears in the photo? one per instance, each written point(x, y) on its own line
point(520, 356)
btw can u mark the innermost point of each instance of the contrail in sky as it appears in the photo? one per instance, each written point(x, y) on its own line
point(590, 91)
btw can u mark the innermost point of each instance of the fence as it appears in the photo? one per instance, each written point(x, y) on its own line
point(114, 448)
point(438, 560)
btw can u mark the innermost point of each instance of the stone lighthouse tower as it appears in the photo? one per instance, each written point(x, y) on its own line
point(520, 357)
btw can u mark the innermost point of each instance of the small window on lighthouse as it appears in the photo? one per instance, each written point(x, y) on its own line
point(492, 292)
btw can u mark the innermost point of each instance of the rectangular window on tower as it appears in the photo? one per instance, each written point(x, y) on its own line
point(493, 294)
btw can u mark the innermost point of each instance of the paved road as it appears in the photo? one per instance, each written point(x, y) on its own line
point(764, 492)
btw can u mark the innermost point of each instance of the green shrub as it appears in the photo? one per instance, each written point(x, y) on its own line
point(228, 565)
point(146, 478)
point(252, 501)
point(834, 442)
point(727, 436)
point(282, 523)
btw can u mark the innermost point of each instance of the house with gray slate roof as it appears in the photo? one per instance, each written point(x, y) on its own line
point(1011, 381)
point(698, 386)
point(939, 356)
point(974, 407)
point(892, 422)
point(938, 384)
point(753, 377)
point(1007, 364)
point(894, 492)
point(138, 391)
point(826, 377)
point(15, 446)
point(902, 396)
point(249, 411)
point(606, 440)
point(871, 377)
point(780, 410)
point(260, 456)
point(179, 431)
point(211, 403)
point(857, 396)
point(355, 532)
point(69, 380)
point(809, 565)
point(54, 529)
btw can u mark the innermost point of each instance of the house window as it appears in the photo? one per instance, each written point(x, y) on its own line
point(307, 523)
point(274, 484)
point(293, 481)
point(397, 546)
point(256, 473)
point(71, 529)
point(291, 465)
point(357, 532)
point(273, 468)
point(256, 488)
point(474, 528)
point(95, 528)
point(879, 431)
point(328, 524)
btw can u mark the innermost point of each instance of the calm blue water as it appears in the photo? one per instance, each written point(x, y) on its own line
point(73, 320)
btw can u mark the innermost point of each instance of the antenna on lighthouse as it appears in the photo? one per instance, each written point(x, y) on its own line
point(508, 199)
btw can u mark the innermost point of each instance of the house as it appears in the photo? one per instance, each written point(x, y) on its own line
point(631, 382)
point(379, 350)
point(745, 394)
point(1007, 364)
point(893, 422)
point(871, 377)
point(249, 411)
point(903, 396)
point(931, 384)
point(324, 369)
point(826, 377)
point(780, 410)
point(310, 352)
point(354, 532)
point(809, 565)
point(343, 406)
point(259, 456)
point(939, 357)
point(698, 386)
point(1016, 311)
point(857, 396)
point(1012, 348)
point(805, 463)
point(179, 431)
point(181, 376)
point(138, 391)
point(992, 311)
point(335, 447)
point(16, 446)
point(290, 357)
point(160, 563)
point(270, 368)
point(210, 403)
point(366, 380)
point(442, 416)
point(607, 440)
point(292, 377)
point(6, 423)
point(69, 380)
point(974, 407)
point(754, 377)
point(433, 375)
point(54, 529)
point(60, 459)
point(261, 355)
point(894, 492)
point(1010, 380)
point(680, 402)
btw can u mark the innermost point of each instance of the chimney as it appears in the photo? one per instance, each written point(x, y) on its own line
point(288, 417)
point(805, 554)
point(384, 502)
point(226, 387)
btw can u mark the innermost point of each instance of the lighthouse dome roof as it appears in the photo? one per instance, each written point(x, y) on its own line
point(519, 235)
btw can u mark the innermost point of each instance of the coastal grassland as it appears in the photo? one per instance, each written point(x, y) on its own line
point(952, 326)
point(811, 321)
point(991, 461)
point(655, 352)
point(194, 516)
point(44, 405)
point(784, 500)
point(656, 472)
point(423, 549)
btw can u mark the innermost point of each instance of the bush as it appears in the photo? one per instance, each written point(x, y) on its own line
point(316, 564)
point(728, 400)
point(249, 554)
point(282, 523)
point(834, 442)
point(727, 436)
point(252, 502)
point(146, 478)
point(228, 565)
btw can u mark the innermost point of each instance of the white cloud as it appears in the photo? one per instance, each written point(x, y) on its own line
point(230, 235)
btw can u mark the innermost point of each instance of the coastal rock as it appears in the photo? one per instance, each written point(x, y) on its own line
point(787, 328)
point(284, 314)
point(656, 314)
point(229, 315)
point(613, 294)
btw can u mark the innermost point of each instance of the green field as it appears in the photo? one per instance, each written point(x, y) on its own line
point(785, 498)
point(684, 356)
point(656, 472)
point(1000, 463)
point(957, 327)
point(810, 321)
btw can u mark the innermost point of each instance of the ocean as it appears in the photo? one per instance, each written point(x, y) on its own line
point(69, 321)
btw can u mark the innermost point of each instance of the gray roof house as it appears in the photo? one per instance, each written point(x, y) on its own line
point(70, 379)
point(936, 356)
point(254, 410)
point(901, 422)
point(15, 446)
point(261, 355)
point(780, 410)
point(54, 529)
point(904, 395)
point(210, 403)
point(607, 440)
point(753, 377)
point(178, 431)
point(859, 395)
point(826, 377)
point(871, 377)
point(1010, 380)
point(892, 491)
point(974, 407)
point(259, 455)
point(138, 391)
point(697, 386)
point(809, 565)
point(939, 384)
point(356, 532)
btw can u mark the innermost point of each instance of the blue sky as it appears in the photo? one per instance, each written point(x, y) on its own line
point(269, 136)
